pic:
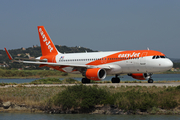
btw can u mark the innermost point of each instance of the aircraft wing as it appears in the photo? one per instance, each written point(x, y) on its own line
point(17, 58)
point(43, 62)
point(62, 64)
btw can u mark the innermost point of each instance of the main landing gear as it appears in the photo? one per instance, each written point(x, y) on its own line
point(115, 79)
point(85, 80)
point(150, 80)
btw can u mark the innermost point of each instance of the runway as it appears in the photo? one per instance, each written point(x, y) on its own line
point(172, 84)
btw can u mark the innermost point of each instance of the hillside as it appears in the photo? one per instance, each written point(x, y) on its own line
point(33, 52)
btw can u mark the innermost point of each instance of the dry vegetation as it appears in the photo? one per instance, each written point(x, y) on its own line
point(127, 98)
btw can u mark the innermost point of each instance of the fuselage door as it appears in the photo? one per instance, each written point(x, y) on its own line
point(143, 58)
point(143, 62)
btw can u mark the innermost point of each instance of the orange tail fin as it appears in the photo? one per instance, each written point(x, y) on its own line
point(47, 46)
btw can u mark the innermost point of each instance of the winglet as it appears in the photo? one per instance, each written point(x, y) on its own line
point(9, 56)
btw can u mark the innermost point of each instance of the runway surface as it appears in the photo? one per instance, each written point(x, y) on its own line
point(172, 84)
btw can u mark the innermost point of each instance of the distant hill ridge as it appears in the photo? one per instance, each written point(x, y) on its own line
point(35, 51)
point(176, 60)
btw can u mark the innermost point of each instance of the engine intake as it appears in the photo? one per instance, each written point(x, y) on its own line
point(95, 73)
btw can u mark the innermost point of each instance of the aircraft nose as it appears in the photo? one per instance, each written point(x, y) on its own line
point(168, 64)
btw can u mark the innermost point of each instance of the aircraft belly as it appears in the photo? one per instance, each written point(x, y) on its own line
point(68, 69)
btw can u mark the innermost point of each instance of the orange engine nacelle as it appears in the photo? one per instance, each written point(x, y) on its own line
point(95, 73)
point(140, 76)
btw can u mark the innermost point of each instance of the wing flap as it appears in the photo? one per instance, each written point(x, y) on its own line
point(62, 64)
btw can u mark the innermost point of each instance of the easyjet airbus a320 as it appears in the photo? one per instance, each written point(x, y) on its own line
point(140, 64)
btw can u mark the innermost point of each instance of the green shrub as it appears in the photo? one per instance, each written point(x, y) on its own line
point(47, 81)
point(132, 100)
point(70, 81)
point(80, 96)
point(1, 72)
point(169, 89)
point(64, 74)
point(168, 103)
point(178, 87)
point(3, 84)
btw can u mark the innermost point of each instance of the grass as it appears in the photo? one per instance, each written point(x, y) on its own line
point(82, 96)
point(30, 96)
point(55, 81)
point(34, 74)
point(47, 81)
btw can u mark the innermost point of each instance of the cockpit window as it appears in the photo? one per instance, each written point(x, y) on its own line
point(162, 56)
point(158, 56)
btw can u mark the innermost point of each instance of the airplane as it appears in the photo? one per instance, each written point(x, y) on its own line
point(139, 64)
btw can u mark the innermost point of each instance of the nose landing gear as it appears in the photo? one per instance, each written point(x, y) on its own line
point(115, 79)
point(150, 80)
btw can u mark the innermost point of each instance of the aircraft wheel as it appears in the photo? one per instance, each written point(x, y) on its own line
point(150, 81)
point(85, 80)
point(115, 80)
point(118, 80)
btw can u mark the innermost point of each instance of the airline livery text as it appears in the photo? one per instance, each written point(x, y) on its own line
point(45, 40)
point(134, 54)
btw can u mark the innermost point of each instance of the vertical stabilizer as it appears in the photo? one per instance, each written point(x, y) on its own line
point(47, 46)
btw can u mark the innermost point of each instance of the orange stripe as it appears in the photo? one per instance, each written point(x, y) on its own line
point(125, 55)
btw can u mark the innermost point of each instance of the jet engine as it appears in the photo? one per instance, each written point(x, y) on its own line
point(95, 74)
point(140, 76)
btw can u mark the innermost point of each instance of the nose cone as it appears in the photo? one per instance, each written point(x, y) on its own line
point(168, 64)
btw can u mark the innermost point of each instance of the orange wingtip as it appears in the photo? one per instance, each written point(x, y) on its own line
point(9, 56)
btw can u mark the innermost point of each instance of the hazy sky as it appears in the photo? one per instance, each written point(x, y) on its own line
point(102, 25)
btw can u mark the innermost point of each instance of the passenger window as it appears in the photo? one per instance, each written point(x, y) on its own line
point(153, 57)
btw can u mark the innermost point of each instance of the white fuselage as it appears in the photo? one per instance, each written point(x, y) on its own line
point(140, 64)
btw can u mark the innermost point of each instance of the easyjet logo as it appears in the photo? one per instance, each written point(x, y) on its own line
point(45, 40)
point(134, 54)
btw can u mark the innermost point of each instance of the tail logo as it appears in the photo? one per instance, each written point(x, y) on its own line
point(45, 40)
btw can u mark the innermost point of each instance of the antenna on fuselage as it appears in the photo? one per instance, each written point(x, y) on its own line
point(147, 48)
